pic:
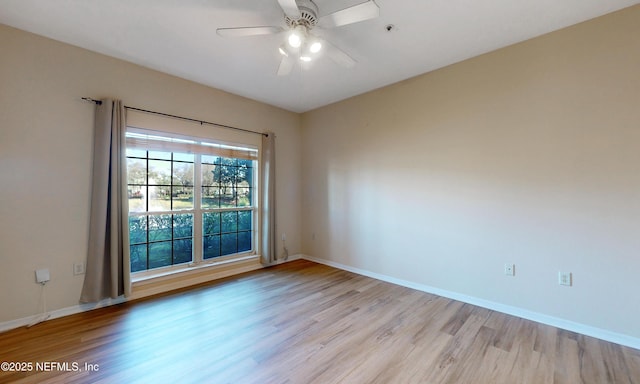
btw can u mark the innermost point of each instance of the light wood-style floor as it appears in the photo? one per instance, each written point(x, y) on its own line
point(308, 323)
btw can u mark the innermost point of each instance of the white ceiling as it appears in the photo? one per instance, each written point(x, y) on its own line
point(179, 37)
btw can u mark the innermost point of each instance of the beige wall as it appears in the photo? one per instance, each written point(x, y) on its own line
point(46, 146)
point(527, 155)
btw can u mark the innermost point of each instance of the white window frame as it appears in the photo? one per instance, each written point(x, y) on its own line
point(146, 139)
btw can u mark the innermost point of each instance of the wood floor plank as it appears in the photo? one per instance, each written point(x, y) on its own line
point(303, 322)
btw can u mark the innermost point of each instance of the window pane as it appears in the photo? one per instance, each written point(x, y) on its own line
point(228, 161)
point(244, 220)
point(182, 251)
point(210, 223)
point(136, 152)
point(245, 163)
point(227, 198)
point(159, 198)
point(244, 176)
point(137, 198)
point(137, 230)
point(244, 241)
point(210, 197)
point(136, 171)
point(207, 175)
point(182, 226)
point(182, 174)
point(182, 198)
point(229, 221)
point(211, 247)
point(159, 172)
point(243, 197)
point(229, 243)
point(160, 254)
point(160, 155)
point(159, 227)
point(188, 157)
point(217, 176)
point(225, 173)
point(207, 159)
point(138, 257)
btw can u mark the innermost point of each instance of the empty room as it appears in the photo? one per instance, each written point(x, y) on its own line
point(326, 191)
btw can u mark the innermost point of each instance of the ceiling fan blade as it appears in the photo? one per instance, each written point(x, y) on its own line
point(339, 56)
point(286, 65)
point(290, 8)
point(248, 31)
point(361, 12)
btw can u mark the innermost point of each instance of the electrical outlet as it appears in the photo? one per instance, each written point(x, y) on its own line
point(284, 237)
point(564, 278)
point(510, 269)
point(78, 268)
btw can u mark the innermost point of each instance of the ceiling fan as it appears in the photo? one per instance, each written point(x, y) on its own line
point(301, 17)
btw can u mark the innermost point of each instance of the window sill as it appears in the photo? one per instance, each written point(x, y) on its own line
point(163, 272)
point(168, 280)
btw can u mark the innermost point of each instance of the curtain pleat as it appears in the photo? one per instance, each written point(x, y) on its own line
point(107, 269)
point(268, 161)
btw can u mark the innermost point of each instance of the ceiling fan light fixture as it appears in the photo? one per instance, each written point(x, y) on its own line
point(296, 36)
point(295, 40)
point(315, 47)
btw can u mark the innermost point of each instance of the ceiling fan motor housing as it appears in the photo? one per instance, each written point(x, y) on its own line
point(308, 15)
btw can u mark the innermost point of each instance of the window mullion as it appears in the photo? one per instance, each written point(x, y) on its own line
point(197, 216)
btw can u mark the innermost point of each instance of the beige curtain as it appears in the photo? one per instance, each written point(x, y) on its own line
point(107, 269)
point(268, 161)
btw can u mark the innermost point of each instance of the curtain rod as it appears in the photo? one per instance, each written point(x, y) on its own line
point(99, 102)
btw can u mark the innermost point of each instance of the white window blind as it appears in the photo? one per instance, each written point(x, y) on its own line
point(168, 142)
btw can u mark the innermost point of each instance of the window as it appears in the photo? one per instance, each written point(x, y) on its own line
point(190, 200)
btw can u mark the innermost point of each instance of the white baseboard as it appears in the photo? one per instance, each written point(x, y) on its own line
point(23, 322)
point(587, 330)
point(297, 256)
